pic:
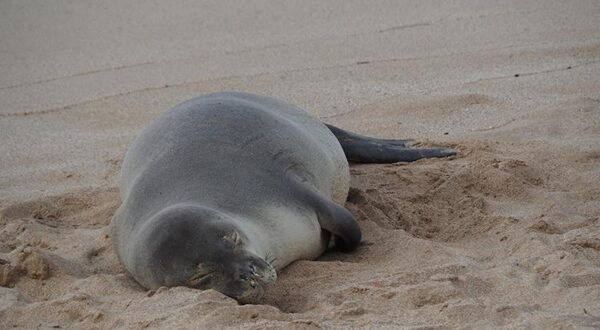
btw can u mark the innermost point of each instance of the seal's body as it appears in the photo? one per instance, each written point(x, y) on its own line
point(221, 190)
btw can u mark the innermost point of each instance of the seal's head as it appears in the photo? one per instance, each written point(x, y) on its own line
point(232, 269)
point(200, 248)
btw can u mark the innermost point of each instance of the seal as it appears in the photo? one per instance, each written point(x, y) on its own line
point(225, 189)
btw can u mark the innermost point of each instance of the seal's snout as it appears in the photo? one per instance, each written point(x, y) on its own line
point(259, 273)
point(255, 276)
point(264, 271)
point(250, 278)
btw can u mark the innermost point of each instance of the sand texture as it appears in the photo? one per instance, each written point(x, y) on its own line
point(504, 235)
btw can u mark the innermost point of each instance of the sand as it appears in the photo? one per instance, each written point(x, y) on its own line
point(506, 234)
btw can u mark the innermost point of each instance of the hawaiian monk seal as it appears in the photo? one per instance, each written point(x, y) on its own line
point(223, 190)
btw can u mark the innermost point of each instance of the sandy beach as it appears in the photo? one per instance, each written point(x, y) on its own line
point(504, 235)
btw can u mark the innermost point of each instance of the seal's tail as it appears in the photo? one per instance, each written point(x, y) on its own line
point(364, 149)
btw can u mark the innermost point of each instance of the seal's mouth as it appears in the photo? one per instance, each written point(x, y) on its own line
point(266, 275)
point(246, 285)
point(257, 278)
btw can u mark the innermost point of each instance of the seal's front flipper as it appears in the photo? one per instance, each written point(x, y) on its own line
point(341, 223)
point(332, 217)
point(364, 149)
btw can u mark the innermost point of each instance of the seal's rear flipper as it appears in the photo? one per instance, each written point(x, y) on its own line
point(364, 149)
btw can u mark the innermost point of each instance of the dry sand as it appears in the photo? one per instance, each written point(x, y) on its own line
point(507, 234)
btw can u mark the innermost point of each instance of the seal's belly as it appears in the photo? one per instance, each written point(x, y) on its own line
point(296, 235)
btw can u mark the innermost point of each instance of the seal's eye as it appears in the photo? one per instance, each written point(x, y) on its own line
point(203, 275)
point(233, 238)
